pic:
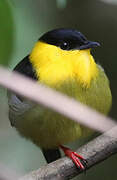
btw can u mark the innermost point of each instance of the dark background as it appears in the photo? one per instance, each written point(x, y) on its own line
point(21, 24)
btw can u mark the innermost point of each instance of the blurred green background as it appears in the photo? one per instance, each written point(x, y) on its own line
point(21, 24)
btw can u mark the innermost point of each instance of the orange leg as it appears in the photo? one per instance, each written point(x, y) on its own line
point(76, 158)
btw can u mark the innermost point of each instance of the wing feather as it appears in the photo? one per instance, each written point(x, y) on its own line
point(18, 105)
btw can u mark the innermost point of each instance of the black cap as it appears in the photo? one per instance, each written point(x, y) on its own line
point(68, 39)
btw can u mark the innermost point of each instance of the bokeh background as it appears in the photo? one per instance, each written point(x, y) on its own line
point(21, 24)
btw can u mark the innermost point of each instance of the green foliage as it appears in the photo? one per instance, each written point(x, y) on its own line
point(6, 32)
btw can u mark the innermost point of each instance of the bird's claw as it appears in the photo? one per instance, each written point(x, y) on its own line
point(79, 161)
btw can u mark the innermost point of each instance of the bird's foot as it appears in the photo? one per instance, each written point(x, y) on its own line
point(76, 158)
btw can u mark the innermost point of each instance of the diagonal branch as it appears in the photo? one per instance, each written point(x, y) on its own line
point(94, 152)
point(55, 100)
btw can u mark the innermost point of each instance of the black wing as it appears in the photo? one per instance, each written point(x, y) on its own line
point(25, 67)
point(17, 105)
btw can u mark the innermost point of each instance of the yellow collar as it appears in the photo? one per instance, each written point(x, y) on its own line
point(54, 65)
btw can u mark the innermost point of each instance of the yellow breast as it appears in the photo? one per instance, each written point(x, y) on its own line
point(54, 65)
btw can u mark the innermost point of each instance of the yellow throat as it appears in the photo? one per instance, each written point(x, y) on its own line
point(54, 65)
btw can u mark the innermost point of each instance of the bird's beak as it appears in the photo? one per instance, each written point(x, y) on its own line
point(89, 44)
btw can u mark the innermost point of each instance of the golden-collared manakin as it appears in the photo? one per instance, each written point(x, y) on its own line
point(60, 59)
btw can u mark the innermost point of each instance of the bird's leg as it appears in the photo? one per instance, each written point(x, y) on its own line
point(51, 154)
point(76, 158)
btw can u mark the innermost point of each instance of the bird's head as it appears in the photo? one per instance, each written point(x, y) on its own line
point(61, 54)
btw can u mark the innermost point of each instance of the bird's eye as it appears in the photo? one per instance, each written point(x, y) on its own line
point(64, 46)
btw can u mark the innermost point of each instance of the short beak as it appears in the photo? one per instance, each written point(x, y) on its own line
point(89, 44)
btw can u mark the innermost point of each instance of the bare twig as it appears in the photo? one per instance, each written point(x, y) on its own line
point(54, 100)
point(94, 152)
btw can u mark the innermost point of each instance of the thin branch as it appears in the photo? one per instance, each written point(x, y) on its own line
point(55, 100)
point(94, 152)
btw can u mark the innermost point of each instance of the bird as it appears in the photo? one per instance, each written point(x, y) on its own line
point(62, 60)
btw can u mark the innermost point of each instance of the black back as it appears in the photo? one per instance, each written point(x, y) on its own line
point(25, 67)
